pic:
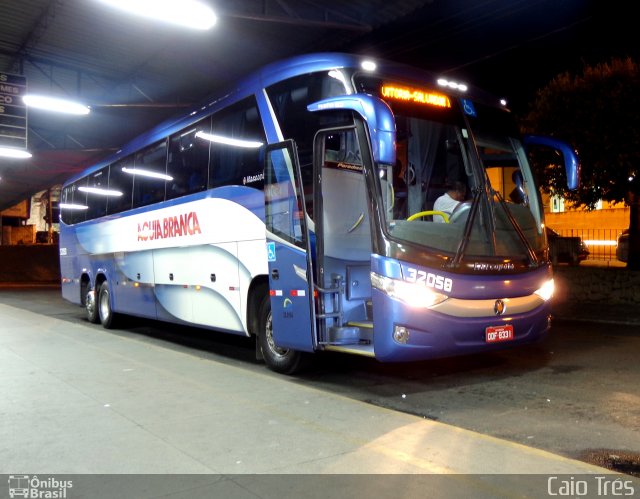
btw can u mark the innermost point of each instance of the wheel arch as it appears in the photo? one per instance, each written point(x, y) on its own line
point(257, 289)
point(85, 285)
point(100, 278)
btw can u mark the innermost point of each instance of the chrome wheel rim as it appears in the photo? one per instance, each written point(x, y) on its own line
point(90, 303)
point(104, 305)
point(280, 352)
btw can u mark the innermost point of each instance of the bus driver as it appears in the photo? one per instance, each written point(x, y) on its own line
point(449, 200)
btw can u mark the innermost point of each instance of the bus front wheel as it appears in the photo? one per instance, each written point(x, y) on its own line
point(107, 315)
point(281, 360)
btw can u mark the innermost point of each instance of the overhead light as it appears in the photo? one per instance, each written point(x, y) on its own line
point(368, 65)
point(443, 82)
point(220, 139)
point(146, 173)
point(10, 152)
point(100, 191)
point(55, 104)
point(189, 13)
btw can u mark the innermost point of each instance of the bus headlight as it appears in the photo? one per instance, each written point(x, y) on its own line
point(546, 290)
point(411, 293)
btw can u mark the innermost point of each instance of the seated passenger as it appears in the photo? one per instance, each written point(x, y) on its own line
point(518, 194)
point(449, 200)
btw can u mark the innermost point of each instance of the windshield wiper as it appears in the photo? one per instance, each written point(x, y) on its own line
point(466, 237)
point(533, 259)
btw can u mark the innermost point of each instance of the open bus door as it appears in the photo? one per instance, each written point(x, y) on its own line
point(289, 251)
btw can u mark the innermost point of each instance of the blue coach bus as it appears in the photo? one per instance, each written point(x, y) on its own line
point(299, 208)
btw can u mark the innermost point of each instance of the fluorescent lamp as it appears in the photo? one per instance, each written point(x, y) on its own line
point(368, 65)
point(55, 104)
point(146, 173)
point(10, 152)
point(71, 206)
point(189, 13)
point(600, 242)
point(249, 144)
point(100, 191)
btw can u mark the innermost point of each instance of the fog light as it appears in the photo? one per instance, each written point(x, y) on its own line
point(401, 334)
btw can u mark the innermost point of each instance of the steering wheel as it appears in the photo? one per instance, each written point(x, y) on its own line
point(421, 214)
point(460, 211)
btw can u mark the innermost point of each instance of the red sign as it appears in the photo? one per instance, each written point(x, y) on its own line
point(169, 227)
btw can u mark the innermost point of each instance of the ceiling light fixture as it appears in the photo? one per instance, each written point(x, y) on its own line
point(55, 104)
point(10, 152)
point(443, 82)
point(368, 65)
point(189, 13)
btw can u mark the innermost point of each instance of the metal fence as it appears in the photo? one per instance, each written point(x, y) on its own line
point(600, 242)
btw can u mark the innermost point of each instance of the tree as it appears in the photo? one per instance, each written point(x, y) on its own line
point(598, 112)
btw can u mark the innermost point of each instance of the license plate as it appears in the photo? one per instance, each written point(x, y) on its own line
point(494, 334)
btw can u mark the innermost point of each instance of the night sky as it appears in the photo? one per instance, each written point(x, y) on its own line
point(510, 48)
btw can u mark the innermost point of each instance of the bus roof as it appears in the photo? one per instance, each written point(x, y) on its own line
point(264, 77)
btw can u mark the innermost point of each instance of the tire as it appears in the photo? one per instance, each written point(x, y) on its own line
point(108, 317)
point(91, 306)
point(280, 360)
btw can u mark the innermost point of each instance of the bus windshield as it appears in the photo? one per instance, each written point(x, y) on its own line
point(461, 185)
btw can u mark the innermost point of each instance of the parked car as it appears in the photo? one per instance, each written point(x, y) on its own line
point(566, 249)
point(622, 246)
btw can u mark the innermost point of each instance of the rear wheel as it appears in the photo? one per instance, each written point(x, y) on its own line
point(91, 306)
point(281, 360)
point(106, 313)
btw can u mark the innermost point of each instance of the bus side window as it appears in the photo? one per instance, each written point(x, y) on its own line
point(73, 201)
point(148, 188)
point(237, 139)
point(290, 98)
point(188, 160)
point(97, 203)
point(66, 199)
point(121, 185)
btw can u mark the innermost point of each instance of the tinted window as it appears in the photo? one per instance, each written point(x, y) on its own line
point(188, 164)
point(237, 139)
point(120, 186)
point(97, 203)
point(149, 174)
point(73, 204)
point(66, 198)
point(290, 99)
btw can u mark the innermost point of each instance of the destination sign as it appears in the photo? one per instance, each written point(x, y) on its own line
point(13, 111)
point(415, 95)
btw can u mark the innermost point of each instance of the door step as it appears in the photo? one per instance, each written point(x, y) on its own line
point(356, 333)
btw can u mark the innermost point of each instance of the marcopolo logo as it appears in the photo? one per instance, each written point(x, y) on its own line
point(250, 179)
point(34, 487)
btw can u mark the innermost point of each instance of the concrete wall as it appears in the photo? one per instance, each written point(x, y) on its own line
point(587, 284)
point(33, 263)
